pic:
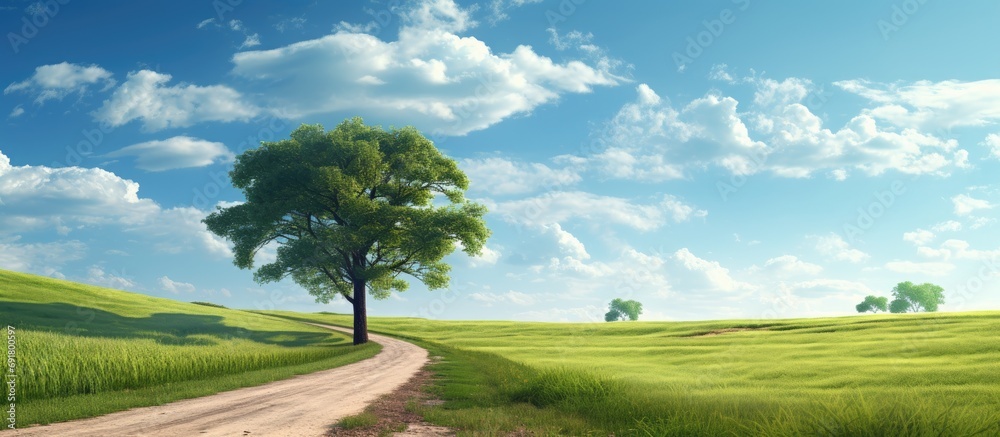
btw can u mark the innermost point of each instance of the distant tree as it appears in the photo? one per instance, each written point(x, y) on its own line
point(623, 310)
point(873, 304)
point(351, 209)
point(911, 297)
point(899, 306)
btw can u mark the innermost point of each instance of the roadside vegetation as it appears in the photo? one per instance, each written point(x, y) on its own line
point(84, 350)
point(920, 374)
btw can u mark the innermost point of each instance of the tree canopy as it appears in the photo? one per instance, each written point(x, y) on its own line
point(911, 297)
point(351, 209)
point(623, 310)
point(873, 304)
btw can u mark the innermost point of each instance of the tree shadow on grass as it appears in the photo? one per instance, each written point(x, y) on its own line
point(165, 328)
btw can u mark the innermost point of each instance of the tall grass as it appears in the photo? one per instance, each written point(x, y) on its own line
point(113, 349)
point(55, 364)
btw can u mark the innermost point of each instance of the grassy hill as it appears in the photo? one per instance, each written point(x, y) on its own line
point(85, 350)
point(925, 374)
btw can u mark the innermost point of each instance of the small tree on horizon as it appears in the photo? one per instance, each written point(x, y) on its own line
point(351, 210)
point(916, 298)
point(873, 304)
point(620, 309)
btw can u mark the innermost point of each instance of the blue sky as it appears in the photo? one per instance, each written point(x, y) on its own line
point(713, 159)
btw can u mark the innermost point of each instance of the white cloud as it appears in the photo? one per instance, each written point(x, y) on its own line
point(252, 40)
point(169, 285)
point(174, 153)
point(791, 264)
point(959, 250)
point(60, 80)
point(205, 22)
point(835, 247)
point(16, 112)
point(561, 206)
point(146, 96)
point(487, 256)
point(947, 226)
point(290, 23)
point(498, 8)
point(39, 197)
point(499, 176)
point(651, 140)
point(430, 77)
point(572, 39)
point(919, 237)
point(97, 276)
point(992, 143)
point(719, 72)
point(716, 276)
point(40, 258)
point(912, 267)
point(180, 229)
point(965, 204)
point(568, 244)
point(931, 105)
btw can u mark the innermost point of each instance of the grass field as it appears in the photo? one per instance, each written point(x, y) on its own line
point(886, 375)
point(84, 350)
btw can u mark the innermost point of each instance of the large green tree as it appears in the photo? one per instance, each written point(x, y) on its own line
point(352, 209)
point(911, 297)
point(873, 304)
point(620, 309)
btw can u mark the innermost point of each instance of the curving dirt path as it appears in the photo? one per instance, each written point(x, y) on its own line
point(301, 406)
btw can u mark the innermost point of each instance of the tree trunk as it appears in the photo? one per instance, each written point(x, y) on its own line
point(360, 314)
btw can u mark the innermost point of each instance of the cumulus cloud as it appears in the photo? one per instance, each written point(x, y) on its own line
point(919, 237)
point(97, 276)
point(715, 276)
point(958, 250)
point(500, 176)
point(16, 112)
point(568, 244)
point(174, 153)
point(650, 139)
point(430, 77)
point(145, 96)
point(965, 204)
point(60, 80)
point(39, 197)
point(930, 105)
point(562, 206)
point(992, 143)
point(175, 287)
point(835, 247)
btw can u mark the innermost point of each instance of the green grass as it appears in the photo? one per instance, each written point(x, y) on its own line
point(358, 420)
point(84, 350)
point(927, 374)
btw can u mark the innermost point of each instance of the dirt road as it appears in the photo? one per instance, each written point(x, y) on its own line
point(301, 406)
